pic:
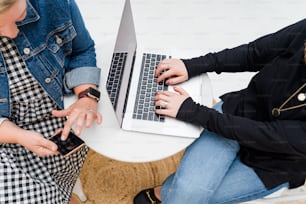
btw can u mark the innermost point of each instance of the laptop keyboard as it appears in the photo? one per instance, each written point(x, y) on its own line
point(115, 76)
point(144, 108)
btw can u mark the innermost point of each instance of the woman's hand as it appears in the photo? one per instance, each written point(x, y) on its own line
point(81, 113)
point(31, 140)
point(173, 71)
point(36, 143)
point(170, 101)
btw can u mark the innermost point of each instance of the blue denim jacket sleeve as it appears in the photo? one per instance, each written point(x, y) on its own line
point(82, 67)
point(82, 75)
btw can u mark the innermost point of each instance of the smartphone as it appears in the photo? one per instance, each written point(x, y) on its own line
point(68, 146)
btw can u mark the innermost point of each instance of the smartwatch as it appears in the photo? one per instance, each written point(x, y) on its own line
point(90, 93)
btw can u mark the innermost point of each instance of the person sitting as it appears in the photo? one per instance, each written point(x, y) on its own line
point(46, 53)
point(254, 139)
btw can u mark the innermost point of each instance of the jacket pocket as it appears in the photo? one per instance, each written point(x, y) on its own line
point(59, 43)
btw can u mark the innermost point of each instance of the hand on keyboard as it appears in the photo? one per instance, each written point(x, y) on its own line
point(170, 101)
point(172, 71)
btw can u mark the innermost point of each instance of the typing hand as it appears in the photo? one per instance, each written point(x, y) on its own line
point(173, 71)
point(170, 101)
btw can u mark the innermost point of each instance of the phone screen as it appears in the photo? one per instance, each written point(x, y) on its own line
point(68, 146)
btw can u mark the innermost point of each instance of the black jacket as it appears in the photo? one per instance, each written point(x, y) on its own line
point(275, 146)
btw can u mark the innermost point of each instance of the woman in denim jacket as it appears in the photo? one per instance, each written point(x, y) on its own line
point(46, 52)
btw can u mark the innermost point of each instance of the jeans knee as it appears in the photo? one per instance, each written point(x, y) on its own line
point(190, 189)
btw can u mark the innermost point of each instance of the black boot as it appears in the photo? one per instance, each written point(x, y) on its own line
point(146, 196)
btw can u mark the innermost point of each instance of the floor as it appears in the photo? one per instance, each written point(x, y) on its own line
point(107, 181)
point(196, 24)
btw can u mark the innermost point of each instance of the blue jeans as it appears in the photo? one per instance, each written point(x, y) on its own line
point(211, 172)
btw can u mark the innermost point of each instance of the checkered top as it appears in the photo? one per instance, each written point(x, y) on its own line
point(24, 176)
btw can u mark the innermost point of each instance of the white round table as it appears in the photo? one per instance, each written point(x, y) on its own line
point(111, 141)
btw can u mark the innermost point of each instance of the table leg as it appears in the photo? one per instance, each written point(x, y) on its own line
point(78, 190)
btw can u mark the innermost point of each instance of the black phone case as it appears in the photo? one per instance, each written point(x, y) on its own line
point(68, 146)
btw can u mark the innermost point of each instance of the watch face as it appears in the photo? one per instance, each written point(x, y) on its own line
point(94, 93)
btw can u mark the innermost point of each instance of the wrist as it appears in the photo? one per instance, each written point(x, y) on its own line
point(17, 136)
point(187, 110)
point(21, 136)
point(90, 92)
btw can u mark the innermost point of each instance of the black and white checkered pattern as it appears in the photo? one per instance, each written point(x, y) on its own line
point(25, 177)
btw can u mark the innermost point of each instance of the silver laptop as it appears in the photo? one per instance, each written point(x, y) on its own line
point(131, 85)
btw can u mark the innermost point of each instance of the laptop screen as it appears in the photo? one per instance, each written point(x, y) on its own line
point(122, 62)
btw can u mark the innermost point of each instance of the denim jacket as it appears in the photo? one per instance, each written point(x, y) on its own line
point(56, 48)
